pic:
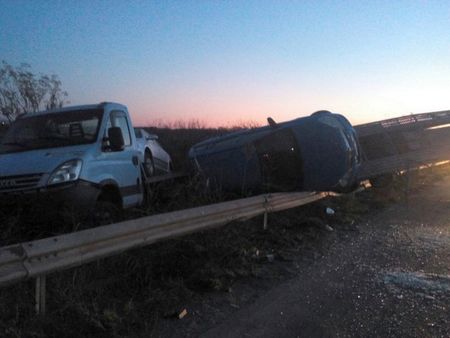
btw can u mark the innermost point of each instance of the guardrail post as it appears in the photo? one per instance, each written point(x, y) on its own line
point(408, 183)
point(266, 202)
point(265, 221)
point(40, 295)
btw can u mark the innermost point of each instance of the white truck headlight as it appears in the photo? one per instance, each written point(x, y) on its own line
point(67, 172)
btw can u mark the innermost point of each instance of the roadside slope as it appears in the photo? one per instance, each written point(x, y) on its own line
point(388, 278)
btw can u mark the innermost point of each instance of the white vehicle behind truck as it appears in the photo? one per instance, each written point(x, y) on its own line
point(156, 159)
point(85, 156)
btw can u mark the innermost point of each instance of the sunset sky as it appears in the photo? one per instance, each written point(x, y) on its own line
point(224, 62)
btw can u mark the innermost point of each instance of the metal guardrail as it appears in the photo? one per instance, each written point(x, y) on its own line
point(405, 162)
point(404, 143)
point(407, 122)
point(41, 257)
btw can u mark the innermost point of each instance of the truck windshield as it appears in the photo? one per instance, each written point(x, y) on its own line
point(52, 130)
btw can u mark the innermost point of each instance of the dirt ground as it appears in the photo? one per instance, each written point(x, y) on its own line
point(384, 275)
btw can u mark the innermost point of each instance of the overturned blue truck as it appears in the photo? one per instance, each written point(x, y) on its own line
point(315, 153)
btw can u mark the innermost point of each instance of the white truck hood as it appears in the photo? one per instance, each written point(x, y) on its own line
point(42, 161)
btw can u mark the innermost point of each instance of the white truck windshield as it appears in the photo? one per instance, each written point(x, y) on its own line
point(52, 130)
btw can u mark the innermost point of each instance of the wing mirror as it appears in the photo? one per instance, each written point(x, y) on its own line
point(115, 137)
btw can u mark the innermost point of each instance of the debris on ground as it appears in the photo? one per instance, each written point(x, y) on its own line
point(182, 314)
point(328, 228)
point(330, 211)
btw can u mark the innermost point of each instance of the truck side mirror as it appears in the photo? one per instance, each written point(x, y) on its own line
point(116, 142)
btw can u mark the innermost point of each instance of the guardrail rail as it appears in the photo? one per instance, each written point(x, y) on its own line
point(404, 143)
point(41, 257)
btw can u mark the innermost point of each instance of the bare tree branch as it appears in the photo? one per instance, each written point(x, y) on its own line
point(22, 91)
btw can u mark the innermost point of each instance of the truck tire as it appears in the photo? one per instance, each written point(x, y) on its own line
point(149, 165)
point(105, 212)
point(108, 207)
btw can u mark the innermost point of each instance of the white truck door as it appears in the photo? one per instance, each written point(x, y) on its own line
point(125, 164)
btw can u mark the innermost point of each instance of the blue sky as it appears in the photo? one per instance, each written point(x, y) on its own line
point(229, 61)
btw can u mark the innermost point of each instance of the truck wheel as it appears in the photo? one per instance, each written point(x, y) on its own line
point(149, 166)
point(105, 212)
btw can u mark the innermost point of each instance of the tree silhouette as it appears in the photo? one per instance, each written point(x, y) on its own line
point(22, 91)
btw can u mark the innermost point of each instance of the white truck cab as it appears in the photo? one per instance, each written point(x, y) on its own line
point(80, 154)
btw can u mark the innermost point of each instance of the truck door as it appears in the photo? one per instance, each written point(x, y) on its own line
point(124, 165)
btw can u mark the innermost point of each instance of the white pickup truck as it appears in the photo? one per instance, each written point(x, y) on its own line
point(84, 155)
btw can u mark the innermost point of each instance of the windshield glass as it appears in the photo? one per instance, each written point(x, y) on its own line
point(52, 130)
point(345, 129)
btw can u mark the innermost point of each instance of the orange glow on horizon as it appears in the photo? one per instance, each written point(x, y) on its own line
point(233, 108)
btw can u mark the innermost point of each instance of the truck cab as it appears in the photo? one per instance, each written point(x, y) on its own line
point(82, 155)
